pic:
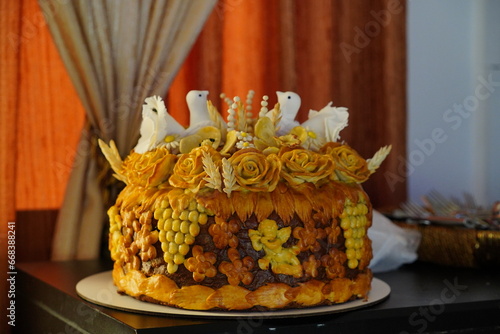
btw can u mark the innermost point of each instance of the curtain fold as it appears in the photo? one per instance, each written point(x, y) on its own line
point(117, 53)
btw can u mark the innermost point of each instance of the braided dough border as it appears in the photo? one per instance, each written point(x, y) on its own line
point(162, 290)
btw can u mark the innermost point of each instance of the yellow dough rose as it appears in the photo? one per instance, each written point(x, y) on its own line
point(188, 171)
point(254, 171)
point(349, 165)
point(149, 169)
point(301, 166)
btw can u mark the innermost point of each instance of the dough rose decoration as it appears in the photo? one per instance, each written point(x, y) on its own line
point(242, 153)
point(254, 171)
point(189, 172)
point(300, 165)
point(349, 165)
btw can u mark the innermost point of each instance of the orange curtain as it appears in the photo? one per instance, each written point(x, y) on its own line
point(351, 52)
point(9, 69)
point(43, 115)
point(40, 122)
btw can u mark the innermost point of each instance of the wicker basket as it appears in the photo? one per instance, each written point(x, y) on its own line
point(457, 246)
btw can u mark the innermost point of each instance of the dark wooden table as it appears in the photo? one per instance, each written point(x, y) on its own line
point(424, 298)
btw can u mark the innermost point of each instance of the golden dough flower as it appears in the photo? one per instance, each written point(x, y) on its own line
point(224, 233)
point(238, 270)
point(150, 168)
point(333, 233)
point(311, 266)
point(334, 263)
point(255, 171)
point(188, 172)
point(289, 140)
point(308, 238)
point(301, 166)
point(146, 238)
point(349, 165)
point(201, 264)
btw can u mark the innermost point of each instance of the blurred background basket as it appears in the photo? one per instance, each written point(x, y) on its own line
point(461, 245)
point(457, 246)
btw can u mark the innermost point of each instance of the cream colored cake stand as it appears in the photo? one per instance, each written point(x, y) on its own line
point(99, 289)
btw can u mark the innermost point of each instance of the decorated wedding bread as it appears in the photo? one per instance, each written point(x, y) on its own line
point(249, 213)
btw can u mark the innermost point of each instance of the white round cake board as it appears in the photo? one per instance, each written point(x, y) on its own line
point(99, 289)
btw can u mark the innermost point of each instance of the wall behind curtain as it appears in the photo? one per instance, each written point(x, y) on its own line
point(350, 52)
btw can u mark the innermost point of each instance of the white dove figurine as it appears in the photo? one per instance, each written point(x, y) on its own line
point(199, 116)
point(156, 124)
point(197, 104)
point(289, 106)
point(328, 122)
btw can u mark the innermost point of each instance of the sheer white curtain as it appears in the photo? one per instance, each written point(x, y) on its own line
point(117, 53)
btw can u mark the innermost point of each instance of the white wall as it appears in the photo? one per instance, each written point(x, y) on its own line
point(454, 118)
point(488, 127)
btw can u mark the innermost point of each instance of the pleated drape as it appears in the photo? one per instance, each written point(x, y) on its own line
point(117, 53)
point(351, 52)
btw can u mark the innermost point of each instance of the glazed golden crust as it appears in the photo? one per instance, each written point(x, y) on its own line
point(190, 251)
point(245, 215)
point(162, 290)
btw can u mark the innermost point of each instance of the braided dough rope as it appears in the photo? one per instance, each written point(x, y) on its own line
point(162, 290)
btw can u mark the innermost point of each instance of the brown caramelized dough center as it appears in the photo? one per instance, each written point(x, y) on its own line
point(201, 240)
